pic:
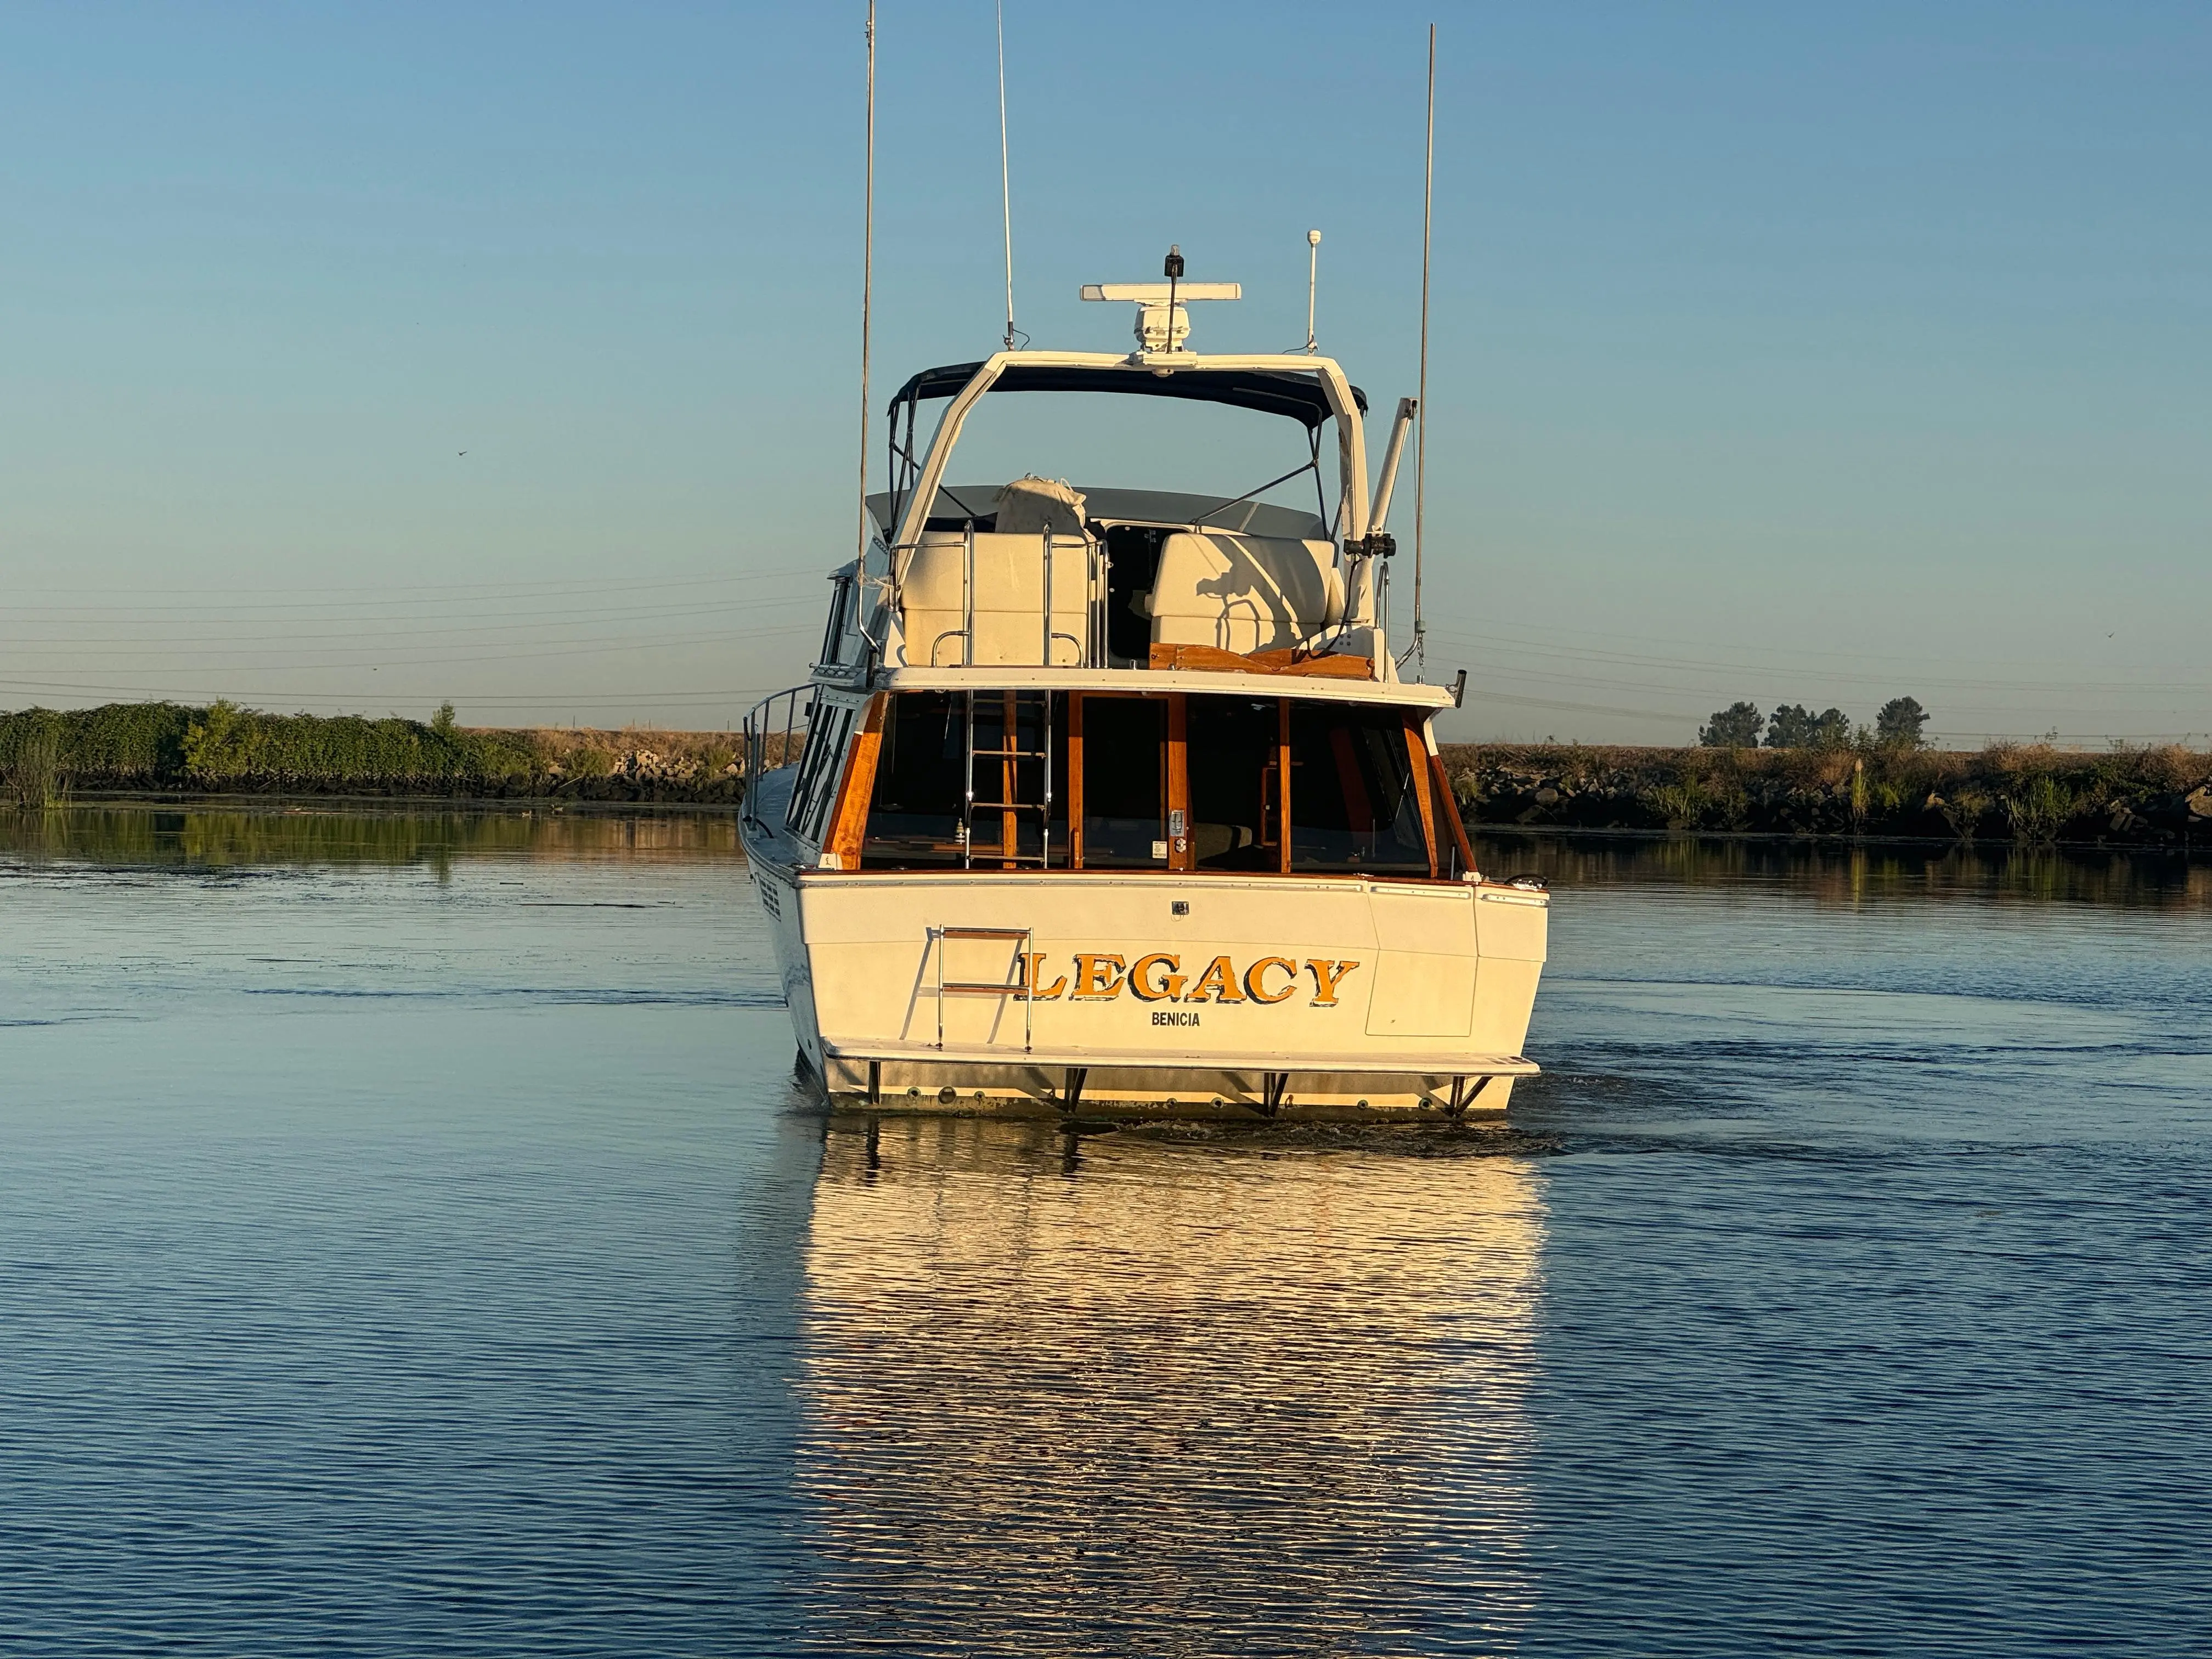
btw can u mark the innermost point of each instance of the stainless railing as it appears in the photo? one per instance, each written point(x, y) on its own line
point(1090, 650)
point(775, 729)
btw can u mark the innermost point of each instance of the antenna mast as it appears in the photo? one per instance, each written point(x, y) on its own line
point(1005, 186)
point(1313, 278)
point(867, 281)
point(1421, 409)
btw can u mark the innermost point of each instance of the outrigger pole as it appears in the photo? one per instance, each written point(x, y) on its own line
point(1421, 408)
point(867, 283)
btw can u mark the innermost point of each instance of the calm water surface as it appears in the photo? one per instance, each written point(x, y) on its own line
point(411, 1242)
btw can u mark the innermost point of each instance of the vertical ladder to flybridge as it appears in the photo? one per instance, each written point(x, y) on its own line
point(1006, 782)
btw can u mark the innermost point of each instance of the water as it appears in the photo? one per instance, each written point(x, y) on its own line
point(411, 1242)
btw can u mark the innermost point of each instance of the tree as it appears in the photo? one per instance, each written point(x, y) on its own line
point(1735, 726)
point(442, 722)
point(1795, 726)
point(1901, 724)
point(1790, 727)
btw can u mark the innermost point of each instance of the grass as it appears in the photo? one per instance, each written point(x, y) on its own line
point(225, 748)
point(35, 775)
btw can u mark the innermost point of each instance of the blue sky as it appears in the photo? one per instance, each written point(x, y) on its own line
point(1805, 354)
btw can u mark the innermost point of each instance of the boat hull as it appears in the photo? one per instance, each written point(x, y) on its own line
point(1141, 994)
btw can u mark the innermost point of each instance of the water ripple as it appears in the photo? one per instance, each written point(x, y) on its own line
point(411, 1242)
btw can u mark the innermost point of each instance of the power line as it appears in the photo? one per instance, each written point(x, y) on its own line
point(411, 597)
point(565, 652)
point(398, 629)
point(552, 585)
point(561, 698)
point(2151, 680)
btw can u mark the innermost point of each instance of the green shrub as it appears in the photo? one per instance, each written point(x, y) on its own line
point(34, 760)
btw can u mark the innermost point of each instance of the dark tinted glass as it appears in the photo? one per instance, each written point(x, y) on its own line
point(1353, 805)
point(1234, 756)
point(1124, 775)
point(819, 767)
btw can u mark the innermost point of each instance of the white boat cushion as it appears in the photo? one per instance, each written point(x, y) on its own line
point(1244, 592)
point(1009, 601)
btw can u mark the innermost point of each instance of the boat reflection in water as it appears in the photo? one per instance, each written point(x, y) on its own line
point(1162, 1395)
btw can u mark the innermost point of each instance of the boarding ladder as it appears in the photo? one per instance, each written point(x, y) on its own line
point(1016, 985)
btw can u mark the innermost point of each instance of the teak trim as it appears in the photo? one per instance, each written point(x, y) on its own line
point(857, 793)
point(1178, 785)
point(1448, 804)
point(1075, 701)
point(1418, 751)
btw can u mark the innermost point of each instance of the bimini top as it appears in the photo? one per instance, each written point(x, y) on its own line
point(1270, 390)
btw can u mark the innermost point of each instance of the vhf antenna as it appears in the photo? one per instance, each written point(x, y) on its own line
point(1313, 278)
point(1005, 185)
point(1421, 409)
point(867, 280)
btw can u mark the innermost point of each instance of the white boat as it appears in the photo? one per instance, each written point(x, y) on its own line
point(1112, 800)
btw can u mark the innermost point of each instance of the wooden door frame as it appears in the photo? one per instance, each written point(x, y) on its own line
point(1417, 748)
point(1074, 779)
point(1078, 801)
point(1178, 780)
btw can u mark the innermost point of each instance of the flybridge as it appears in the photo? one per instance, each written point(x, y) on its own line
point(1163, 325)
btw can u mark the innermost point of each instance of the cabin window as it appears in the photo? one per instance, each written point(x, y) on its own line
point(988, 784)
point(1125, 783)
point(913, 819)
point(1353, 801)
point(1234, 749)
point(841, 618)
point(818, 770)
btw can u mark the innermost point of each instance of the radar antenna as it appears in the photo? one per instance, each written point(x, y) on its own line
point(1163, 325)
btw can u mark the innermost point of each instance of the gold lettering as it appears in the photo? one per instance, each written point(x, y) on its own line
point(1221, 978)
point(1326, 977)
point(1255, 986)
point(1098, 974)
point(1170, 983)
point(1045, 993)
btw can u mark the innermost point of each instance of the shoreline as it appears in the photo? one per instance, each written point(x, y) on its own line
point(2024, 795)
point(2136, 799)
point(278, 803)
point(588, 806)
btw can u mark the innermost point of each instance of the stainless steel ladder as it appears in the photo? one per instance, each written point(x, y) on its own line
point(1010, 755)
point(1016, 987)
